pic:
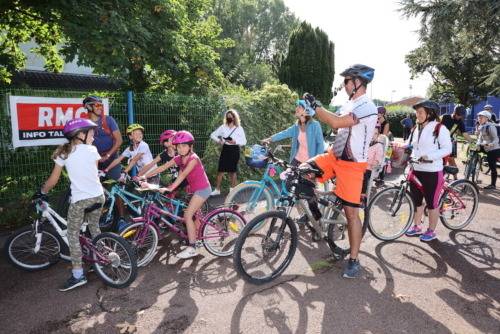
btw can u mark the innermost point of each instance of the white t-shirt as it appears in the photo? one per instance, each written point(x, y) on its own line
point(145, 159)
point(81, 166)
point(352, 143)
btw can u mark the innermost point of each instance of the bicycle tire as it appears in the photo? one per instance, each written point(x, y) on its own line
point(64, 203)
point(242, 194)
point(122, 270)
point(108, 220)
point(133, 234)
point(257, 257)
point(18, 249)
point(387, 222)
point(475, 170)
point(483, 167)
point(468, 193)
point(336, 232)
point(467, 169)
point(227, 220)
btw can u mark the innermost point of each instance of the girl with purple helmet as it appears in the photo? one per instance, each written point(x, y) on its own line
point(80, 159)
point(192, 170)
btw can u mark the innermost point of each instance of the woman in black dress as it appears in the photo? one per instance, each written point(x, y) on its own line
point(231, 136)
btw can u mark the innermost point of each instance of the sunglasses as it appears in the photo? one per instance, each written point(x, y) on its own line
point(98, 104)
point(347, 80)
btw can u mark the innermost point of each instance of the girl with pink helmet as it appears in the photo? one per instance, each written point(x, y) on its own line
point(192, 170)
point(80, 159)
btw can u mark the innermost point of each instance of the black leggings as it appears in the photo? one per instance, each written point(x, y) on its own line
point(492, 157)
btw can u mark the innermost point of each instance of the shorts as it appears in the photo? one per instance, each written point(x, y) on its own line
point(453, 153)
point(349, 176)
point(204, 193)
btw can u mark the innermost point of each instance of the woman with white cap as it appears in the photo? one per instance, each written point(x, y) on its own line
point(489, 138)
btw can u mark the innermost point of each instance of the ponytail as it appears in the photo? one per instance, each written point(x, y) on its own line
point(64, 150)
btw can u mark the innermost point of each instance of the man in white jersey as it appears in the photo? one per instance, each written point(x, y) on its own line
point(347, 160)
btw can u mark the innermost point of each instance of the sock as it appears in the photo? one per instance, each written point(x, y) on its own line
point(193, 245)
point(77, 273)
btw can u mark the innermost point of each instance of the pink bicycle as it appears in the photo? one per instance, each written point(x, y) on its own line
point(390, 212)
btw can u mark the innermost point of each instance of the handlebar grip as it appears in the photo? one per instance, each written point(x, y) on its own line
point(424, 160)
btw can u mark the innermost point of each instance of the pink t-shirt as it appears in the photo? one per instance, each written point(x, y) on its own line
point(375, 152)
point(197, 179)
point(302, 153)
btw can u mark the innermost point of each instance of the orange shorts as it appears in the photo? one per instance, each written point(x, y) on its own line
point(349, 175)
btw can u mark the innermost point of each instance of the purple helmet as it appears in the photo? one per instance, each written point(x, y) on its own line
point(72, 127)
point(165, 135)
point(183, 137)
point(381, 110)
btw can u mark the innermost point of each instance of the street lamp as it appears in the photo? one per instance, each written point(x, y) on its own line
point(410, 90)
point(391, 94)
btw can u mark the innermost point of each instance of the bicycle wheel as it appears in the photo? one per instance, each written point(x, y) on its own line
point(228, 221)
point(467, 169)
point(19, 249)
point(109, 218)
point(120, 268)
point(484, 167)
point(458, 206)
point(389, 214)
point(133, 233)
point(64, 203)
point(475, 169)
point(263, 256)
point(250, 202)
point(338, 232)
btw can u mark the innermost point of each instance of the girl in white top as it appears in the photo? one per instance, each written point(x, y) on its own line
point(80, 159)
point(233, 136)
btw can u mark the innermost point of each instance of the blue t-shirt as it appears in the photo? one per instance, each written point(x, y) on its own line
point(102, 140)
point(408, 123)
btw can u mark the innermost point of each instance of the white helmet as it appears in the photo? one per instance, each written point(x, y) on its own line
point(485, 113)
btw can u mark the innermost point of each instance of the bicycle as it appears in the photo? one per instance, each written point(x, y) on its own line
point(221, 225)
point(38, 247)
point(261, 256)
point(390, 213)
point(255, 197)
point(473, 164)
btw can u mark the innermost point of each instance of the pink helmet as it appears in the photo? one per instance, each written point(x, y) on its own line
point(167, 134)
point(183, 137)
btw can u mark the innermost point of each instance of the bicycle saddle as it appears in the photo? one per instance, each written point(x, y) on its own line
point(450, 170)
point(93, 207)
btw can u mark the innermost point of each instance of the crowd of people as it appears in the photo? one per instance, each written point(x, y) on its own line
point(93, 144)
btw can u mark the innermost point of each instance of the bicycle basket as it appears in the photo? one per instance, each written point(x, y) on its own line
point(400, 155)
point(256, 156)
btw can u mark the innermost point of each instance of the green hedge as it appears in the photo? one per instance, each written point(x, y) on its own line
point(395, 115)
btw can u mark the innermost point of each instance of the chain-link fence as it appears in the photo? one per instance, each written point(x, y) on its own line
point(24, 168)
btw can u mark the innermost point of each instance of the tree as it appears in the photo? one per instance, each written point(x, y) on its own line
point(259, 28)
point(309, 64)
point(460, 35)
point(151, 43)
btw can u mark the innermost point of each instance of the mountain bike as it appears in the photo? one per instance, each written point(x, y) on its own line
point(217, 232)
point(473, 164)
point(390, 212)
point(263, 255)
point(255, 197)
point(39, 246)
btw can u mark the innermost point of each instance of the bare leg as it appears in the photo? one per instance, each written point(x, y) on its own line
point(219, 180)
point(433, 218)
point(355, 230)
point(233, 179)
point(193, 207)
point(417, 219)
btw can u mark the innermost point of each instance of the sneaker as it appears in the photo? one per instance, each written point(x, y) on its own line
point(73, 283)
point(187, 253)
point(414, 230)
point(231, 189)
point(428, 235)
point(353, 268)
point(121, 223)
point(379, 183)
point(490, 187)
point(302, 219)
point(215, 192)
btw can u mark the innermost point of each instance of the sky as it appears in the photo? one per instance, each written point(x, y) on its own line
point(368, 32)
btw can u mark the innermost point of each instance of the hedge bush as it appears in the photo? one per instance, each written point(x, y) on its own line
point(395, 115)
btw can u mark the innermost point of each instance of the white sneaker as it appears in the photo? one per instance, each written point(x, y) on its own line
point(187, 253)
point(231, 189)
point(215, 192)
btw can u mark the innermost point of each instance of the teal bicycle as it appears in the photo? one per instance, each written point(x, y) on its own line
point(256, 197)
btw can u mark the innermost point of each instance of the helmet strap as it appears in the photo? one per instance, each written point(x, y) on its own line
point(355, 88)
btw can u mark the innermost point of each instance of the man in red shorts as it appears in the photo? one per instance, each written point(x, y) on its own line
point(347, 159)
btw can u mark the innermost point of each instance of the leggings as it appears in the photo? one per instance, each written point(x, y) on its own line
point(492, 157)
point(432, 183)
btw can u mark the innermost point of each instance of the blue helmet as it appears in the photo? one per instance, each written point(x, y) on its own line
point(304, 104)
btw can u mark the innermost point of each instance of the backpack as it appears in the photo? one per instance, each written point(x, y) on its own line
point(435, 133)
point(498, 130)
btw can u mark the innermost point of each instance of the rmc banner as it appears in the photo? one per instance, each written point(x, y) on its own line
point(39, 121)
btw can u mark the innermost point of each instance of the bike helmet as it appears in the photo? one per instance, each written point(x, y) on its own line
point(133, 127)
point(304, 104)
point(74, 126)
point(183, 137)
point(166, 135)
point(460, 110)
point(485, 113)
point(488, 107)
point(381, 110)
point(427, 104)
point(91, 99)
point(358, 70)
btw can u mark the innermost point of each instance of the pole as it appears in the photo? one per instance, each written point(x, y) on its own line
point(130, 111)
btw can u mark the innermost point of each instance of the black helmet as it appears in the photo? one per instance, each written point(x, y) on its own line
point(460, 110)
point(91, 99)
point(427, 104)
point(364, 72)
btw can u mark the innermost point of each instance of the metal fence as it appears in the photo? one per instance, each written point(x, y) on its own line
point(23, 169)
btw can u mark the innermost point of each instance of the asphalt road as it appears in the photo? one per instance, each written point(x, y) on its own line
point(449, 285)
